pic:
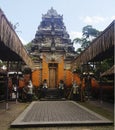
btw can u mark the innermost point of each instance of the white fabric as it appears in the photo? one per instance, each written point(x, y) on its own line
point(30, 86)
point(45, 85)
point(75, 88)
point(61, 86)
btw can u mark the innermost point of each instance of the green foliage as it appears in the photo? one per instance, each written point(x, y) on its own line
point(90, 31)
point(1, 63)
point(88, 34)
point(79, 50)
point(28, 46)
point(106, 64)
point(82, 41)
point(103, 66)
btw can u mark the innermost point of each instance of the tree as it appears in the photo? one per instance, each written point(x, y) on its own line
point(88, 31)
point(28, 46)
point(88, 34)
point(103, 66)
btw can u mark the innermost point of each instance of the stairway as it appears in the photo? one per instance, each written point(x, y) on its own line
point(51, 94)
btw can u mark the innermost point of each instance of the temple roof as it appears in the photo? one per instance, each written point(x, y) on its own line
point(51, 29)
point(52, 36)
point(51, 12)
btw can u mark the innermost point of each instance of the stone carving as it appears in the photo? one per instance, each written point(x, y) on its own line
point(52, 37)
point(52, 12)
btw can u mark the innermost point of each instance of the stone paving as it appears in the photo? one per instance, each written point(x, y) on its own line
point(50, 113)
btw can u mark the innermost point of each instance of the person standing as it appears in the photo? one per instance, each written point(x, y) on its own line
point(75, 91)
point(88, 87)
point(30, 91)
point(15, 87)
point(45, 84)
point(44, 88)
point(61, 89)
point(28, 86)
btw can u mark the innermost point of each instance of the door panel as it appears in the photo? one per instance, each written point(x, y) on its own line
point(52, 77)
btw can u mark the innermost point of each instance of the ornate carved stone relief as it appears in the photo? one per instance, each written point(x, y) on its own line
point(53, 58)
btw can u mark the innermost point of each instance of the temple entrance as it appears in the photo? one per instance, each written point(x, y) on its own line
point(52, 75)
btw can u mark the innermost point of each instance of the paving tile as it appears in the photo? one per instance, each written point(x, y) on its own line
point(58, 113)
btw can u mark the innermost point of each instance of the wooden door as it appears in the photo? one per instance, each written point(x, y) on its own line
point(52, 75)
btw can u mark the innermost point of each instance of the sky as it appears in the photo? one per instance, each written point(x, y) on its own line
point(76, 15)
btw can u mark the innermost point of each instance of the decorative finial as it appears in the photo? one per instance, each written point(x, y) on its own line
point(52, 12)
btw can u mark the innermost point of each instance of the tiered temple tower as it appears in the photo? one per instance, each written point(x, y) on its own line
point(52, 50)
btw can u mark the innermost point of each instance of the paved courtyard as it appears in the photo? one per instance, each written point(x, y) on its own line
point(52, 113)
point(8, 116)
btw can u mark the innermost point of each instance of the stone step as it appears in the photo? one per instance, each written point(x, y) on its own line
point(51, 94)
